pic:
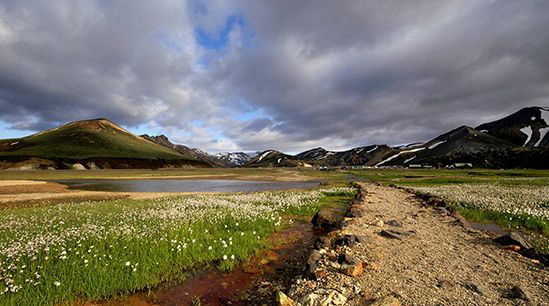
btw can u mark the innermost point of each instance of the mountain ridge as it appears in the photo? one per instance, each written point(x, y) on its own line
point(93, 141)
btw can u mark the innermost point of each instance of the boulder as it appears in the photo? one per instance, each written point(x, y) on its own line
point(513, 238)
point(324, 219)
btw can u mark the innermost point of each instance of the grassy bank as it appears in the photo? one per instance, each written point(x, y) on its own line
point(59, 254)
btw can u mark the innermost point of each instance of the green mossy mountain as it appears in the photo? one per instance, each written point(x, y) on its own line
point(98, 142)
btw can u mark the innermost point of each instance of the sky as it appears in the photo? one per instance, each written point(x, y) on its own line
point(253, 75)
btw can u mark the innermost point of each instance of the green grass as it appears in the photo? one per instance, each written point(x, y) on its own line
point(88, 139)
point(91, 251)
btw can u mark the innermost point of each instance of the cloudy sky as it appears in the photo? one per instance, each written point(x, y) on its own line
point(248, 75)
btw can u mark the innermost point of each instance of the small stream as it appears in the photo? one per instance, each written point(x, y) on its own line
point(488, 227)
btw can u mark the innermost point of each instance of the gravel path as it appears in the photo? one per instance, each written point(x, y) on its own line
point(443, 263)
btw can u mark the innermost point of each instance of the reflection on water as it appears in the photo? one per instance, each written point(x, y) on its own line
point(183, 185)
point(487, 227)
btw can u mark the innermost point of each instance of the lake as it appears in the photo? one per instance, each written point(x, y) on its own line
point(183, 185)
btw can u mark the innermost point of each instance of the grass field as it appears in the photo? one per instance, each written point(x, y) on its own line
point(59, 254)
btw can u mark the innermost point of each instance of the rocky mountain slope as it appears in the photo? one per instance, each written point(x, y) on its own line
point(191, 153)
point(272, 158)
point(235, 158)
point(527, 128)
point(461, 140)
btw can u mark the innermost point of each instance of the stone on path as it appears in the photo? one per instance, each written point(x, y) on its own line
point(396, 234)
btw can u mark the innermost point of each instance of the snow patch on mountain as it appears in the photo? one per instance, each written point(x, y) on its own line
point(397, 155)
point(437, 144)
point(543, 132)
point(372, 150)
point(237, 158)
point(528, 131)
point(264, 155)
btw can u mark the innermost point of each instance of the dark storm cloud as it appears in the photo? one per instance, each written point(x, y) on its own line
point(286, 75)
point(361, 72)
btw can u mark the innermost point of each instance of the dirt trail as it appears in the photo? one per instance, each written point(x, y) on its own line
point(443, 263)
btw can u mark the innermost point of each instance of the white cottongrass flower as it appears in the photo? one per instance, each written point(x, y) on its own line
point(57, 284)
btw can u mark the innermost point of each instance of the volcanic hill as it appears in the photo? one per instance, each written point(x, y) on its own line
point(89, 144)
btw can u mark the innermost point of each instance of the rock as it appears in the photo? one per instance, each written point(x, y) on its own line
point(365, 240)
point(444, 284)
point(324, 219)
point(319, 274)
point(338, 299)
point(353, 212)
point(533, 253)
point(461, 220)
point(482, 290)
point(352, 270)
point(394, 223)
point(513, 238)
point(519, 293)
point(323, 243)
point(283, 300)
point(309, 299)
point(443, 211)
point(396, 234)
point(371, 266)
point(378, 223)
point(348, 259)
point(436, 201)
point(514, 248)
point(347, 240)
point(386, 301)
point(314, 257)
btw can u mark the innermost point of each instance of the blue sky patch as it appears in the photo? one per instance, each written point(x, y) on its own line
point(216, 41)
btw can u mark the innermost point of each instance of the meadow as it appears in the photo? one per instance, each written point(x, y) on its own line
point(96, 250)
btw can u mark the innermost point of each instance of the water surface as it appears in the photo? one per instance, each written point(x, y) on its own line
point(183, 185)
